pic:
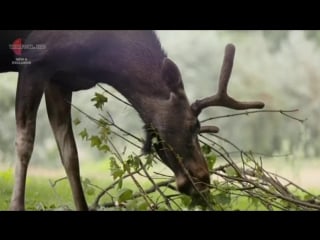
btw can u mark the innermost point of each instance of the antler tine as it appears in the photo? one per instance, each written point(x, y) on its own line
point(222, 98)
point(226, 69)
point(209, 129)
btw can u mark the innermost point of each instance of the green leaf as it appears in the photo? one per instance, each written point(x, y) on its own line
point(116, 173)
point(132, 204)
point(186, 200)
point(120, 183)
point(115, 169)
point(76, 121)
point(231, 172)
point(84, 134)
point(307, 197)
point(149, 161)
point(99, 100)
point(211, 159)
point(126, 167)
point(133, 161)
point(124, 194)
point(142, 205)
point(95, 141)
point(113, 163)
point(163, 208)
point(104, 132)
point(206, 149)
point(104, 148)
point(222, 198)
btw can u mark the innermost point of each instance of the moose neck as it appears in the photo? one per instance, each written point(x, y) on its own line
point(150, 99)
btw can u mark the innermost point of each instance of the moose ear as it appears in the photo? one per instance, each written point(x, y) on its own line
point(171, 75)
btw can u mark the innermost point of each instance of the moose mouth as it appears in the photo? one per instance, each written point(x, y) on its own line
point(187, 183)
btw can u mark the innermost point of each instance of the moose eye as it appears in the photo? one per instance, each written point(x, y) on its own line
point(197, 124)
point(195, 127)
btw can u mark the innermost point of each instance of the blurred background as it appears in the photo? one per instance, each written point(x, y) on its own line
point(280, 68)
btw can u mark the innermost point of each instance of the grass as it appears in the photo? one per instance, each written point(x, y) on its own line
point(39, 193)
point(50, 189)
point(51, 192)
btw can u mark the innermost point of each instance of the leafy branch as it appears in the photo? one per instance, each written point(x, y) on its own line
point(240, 178)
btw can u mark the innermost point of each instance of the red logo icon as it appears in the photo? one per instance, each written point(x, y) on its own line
point(17, 46)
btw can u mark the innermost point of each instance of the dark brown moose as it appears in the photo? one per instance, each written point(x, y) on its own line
point(134, 63)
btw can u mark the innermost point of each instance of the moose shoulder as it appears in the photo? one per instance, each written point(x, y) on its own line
point(134, 63)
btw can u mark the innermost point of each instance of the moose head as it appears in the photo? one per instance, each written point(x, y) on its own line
point(177, 127)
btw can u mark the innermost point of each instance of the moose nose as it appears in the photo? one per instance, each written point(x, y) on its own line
point(195, 187)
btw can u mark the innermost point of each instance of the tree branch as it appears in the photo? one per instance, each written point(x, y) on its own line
point(283, 112)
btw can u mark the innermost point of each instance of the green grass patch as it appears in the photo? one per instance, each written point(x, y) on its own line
point(44, 193)
point(6, 183)
point(54, 193)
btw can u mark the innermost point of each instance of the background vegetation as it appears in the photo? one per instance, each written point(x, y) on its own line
point(277, 67)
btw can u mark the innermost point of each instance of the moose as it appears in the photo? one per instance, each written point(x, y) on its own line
point(132, 62)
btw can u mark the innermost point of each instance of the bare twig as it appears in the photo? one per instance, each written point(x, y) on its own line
point(277, 195)
point(111, 186)
point(53, 183)
point(155, 185)
point(283, 112)
point(119, 128)
point(263, 181)
point(148, 200)
point(146, 191)
point(113, 95)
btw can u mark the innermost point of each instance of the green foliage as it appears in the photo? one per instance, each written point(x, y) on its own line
point(76, 121)
point(84, 134)
point(230, 171)
point(87, 187)
point(99, 100)
point(124, 194)
point(241, 186)
point(209, 155)
point(95, 141)
point(116, 170)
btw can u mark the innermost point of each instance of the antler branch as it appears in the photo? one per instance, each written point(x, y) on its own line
point(209, 129)
point(222, 98)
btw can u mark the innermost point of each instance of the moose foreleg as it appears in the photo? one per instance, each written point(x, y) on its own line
point(27, 102)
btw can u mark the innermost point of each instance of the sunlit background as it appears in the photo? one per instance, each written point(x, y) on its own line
point(280, 68)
